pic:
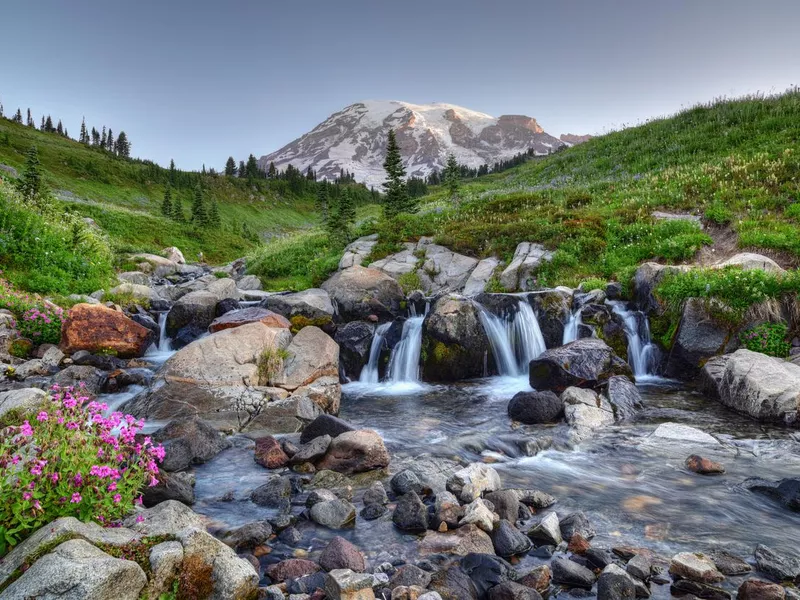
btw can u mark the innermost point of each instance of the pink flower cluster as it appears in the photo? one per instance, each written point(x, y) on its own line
point(73, 459)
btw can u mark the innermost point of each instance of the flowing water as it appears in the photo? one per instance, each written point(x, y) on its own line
point(159, 352)
point(641, 350)
point(515, 338)
point(370, 372)
point(572, 327)
point(404, 363)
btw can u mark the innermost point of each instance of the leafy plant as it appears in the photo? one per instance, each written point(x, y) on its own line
point(72, 461)
point(270, 364)
point(767, 338)
point(409, 281)
point(41, 325)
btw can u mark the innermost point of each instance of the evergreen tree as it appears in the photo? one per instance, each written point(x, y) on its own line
point(30, 183)
point(110, 140)
point(322, 202)
point(396, 200)
point(213, 215)
point(177, 210)
point(103, 138)
point(17, 117)
point(166, 203)
point(48, 125)
point(199, 214)
point(310, 175)
point(242, 169)
point(272, 173)
point(41, 127)
point(29, 121)
point(84, 137)
point(66, 132)
point(347, 208)
point(452, 175)
point(203, 171)
point(1, 110)
point(123, 146)
point(172, 171)
point(95, 137)
point(60, 128)
point(230, 167)
point(252, 167)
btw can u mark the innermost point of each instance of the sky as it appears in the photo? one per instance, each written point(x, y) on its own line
point(200, 80)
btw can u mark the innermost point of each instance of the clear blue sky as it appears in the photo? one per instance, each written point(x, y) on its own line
point(200, 80)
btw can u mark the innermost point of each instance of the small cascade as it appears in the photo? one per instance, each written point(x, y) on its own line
point(164, 343)
point(370, 373)
point(515, 339)
point(404, 363)
point(572, 327)
point(641, 350)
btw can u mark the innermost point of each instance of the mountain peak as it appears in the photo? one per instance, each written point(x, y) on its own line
point(354, 139)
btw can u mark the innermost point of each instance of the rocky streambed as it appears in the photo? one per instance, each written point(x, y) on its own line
point(445, 473)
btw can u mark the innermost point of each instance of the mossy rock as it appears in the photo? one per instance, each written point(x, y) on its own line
point(299, 322)
point(447, 362)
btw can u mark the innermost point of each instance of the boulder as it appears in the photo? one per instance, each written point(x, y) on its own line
point(189, 441)
point(624, 397)
point(585, 410)
point(165, 560)
point(311, 355)
point(341, 554)
point(547, 531)
point(480, 276)
point(95, 328)
point(785, 491)
point(511, 590)
point(223, 289)
point(275, 493)
point(165, 519)
point(583, 363)
point(460, 542)
point(408, 575)
point(777, 566)
point(195, 308)
point(751, 261)
point(410, 514)
point(325, 425)
point(576, 523)
point(754, 589)
point(684, 433)
point(645, 281)
point(445, 270)
point(313, 304)
point(355, 252)
point(334, 514)
point(699, 337)
point(170, 486)
point(518, 275)
point(506, 504)
point(354, 340)
point(173, 254)
point(135, 277)
point(454, 341)
point(248, 283)
point(269, 453)
point(695, 567)
point(615, 584)
point(355, 452)
point(553, 309)
point(764, 387)
point(22, 402)
point(536, 407)
point(486, 571)
point(214, 378)
point(311, 451)
point(291, 568)
point(399, 263)
point(509, 541)
point(248, 536)
point(479, 513)
point(344, 584)
point(244, 316)
point(89, 379)
point(359, 292)
point(76, 570)
point(142, 294)
point(538, 579)
point(472, 481)
point(570, 574)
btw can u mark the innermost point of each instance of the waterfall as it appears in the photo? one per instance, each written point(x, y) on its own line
point(164, 343)
point(370, 374)
point(515, 339)
point(641, 351)
point(404, 363)
point(572, 327)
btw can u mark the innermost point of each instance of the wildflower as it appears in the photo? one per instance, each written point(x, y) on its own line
point(42, 416)
point(76, 498)
point(26, 429)
point(27, 496)
point(117, 498)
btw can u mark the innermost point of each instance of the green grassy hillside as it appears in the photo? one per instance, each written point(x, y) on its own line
point(124, 197)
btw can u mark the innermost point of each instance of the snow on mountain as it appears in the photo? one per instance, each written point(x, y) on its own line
point(354, 139)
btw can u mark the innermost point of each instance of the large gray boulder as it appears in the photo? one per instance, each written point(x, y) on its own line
point(216, 378)
point(311, 355)
point(195, 308)
point(359, 292)
point(758, 385)
point(357, 251)
point(699, 338)
point(583, 363)
point(518, 275)
point(454, 341)
point(355, 340)
point(22, 402)
point(647, 278)
point(445, 270)
point(751, 261)
point(76, 570)
point(399, 263)
point(480, 276)
point(313, 304)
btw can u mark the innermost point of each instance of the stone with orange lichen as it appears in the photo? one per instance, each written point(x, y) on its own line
point(96, 328)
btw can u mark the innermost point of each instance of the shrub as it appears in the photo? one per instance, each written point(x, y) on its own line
point(221, 275)
point(409, 282)
point(68, 461)
point(41, 326)
point(587, 285)
point(718, 213)
point(270, 363)
point(767, 338)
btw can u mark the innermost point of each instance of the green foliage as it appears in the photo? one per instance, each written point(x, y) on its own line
point(397, 199)
point(718, 213)
point(65, 463)
point(736, 289)
point(50, 251)
point(41, 325)
point(30, 184)
point(767, 338)
point(222, 274)
point(166, 204)
point(409, 282)
point(20, 348)
point(452, 176)
point(270, 364)
point(587, 285)
point(126, 298)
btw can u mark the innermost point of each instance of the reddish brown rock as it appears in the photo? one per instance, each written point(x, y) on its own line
point(538, 579)
point(96, 328)
point(291, 568)
point(703, 466)
point(755, 589)
point(269, 454)
point(245, 316)
point(578, 544)
point(355, 452)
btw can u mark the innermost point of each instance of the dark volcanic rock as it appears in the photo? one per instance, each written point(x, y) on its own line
point(509, 541)
point(576, 522)
point(324, 425)
point(583, 363)
point(189, 441)
point(571, 574)
point(410, 514)
point(273, 494)
point(511, 590)
point(354, 339)
point(453, 584)
point(171, 486)
point(536, 407)
point(486, 571)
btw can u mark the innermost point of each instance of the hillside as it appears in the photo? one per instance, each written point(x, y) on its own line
point(124, 197)
point(354, 140)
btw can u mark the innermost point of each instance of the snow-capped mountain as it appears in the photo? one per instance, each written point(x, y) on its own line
point(354, 139)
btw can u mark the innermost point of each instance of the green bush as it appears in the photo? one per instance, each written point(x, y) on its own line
point(767, 338)
point(409, 282)
point(41, 326)
point(718, 213)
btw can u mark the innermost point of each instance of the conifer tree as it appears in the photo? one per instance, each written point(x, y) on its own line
point(199, 214)
point(452, 175)
point(60, 128)
point(322, 202)
point(103, 138)
point(29, 121)
point(95, 137)
point(252, 167)
point(17, 117)
point(166, 203)
point(172, 171)
point(177, 210)
point(66, 132)
point(110, 140)
point(83, 137)
point(123, 146)
point(242, 169)
point(230, 167)
point(396, 200)
point(30, 183)
point(1, 110)
point(214, 219)
point(48, 125)
point(41, 127)
point(347, 208)
point(272, 173)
